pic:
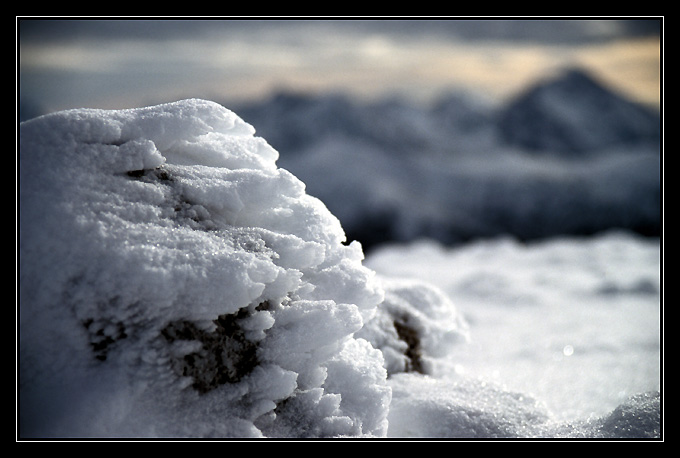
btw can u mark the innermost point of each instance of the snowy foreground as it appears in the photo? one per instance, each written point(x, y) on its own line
point(572, 325)
point(174, 282)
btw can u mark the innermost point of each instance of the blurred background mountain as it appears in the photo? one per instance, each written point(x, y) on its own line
point(447, 129)
point(567, 156)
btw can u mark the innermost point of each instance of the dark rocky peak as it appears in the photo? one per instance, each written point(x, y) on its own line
point(575, 113)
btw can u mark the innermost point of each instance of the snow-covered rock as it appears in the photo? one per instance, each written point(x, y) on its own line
point(175, 282)
point(415, 326)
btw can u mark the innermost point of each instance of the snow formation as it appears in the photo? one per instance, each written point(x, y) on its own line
point(175, 282)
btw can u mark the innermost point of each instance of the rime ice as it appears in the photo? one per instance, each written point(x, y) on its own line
point(175, 282)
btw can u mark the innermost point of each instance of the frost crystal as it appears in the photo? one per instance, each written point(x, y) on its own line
point(175, 282)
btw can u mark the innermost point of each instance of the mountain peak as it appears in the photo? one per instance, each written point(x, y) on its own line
point(575, 113)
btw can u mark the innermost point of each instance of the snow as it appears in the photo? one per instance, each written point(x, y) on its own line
point(175, 282)
point(571, 327)
point(163, 250)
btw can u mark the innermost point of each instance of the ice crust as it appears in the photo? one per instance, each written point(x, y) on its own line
point(175, 282)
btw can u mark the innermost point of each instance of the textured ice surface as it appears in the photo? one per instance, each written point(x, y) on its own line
point(175, 282)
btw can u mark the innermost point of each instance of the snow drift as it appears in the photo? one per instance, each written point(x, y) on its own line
point(174, 282)
point(560, 332)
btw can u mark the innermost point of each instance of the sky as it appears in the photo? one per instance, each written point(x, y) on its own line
point(125, 63)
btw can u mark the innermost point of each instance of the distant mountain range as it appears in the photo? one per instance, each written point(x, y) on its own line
point(567, 156)
point(573, 113)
